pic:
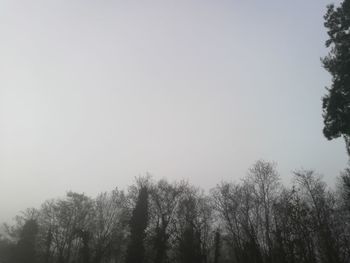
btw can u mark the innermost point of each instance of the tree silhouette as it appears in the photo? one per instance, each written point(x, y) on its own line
point(346, 187)
point(336, 103)
point(25, 250)
point(189, 246)
point(138, 225)
point(164, 198)
point(257, 220)
point(217, 245)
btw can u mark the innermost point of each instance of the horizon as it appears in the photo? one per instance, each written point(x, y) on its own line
point(94, 94)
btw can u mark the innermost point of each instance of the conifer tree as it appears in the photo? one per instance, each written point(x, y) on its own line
point(138, 225)
point(336, 103)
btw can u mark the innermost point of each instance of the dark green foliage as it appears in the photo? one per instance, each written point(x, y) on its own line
point(336, 103)
point(138, 225)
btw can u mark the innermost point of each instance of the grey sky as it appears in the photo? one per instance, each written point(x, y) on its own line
point(94, 93)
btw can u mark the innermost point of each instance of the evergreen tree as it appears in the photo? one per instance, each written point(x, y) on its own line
point(336, 104)
point(138, 225)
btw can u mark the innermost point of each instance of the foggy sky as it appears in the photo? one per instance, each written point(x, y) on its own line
point(94, 93)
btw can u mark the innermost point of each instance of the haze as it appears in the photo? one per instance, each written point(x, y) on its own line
point(94, 93)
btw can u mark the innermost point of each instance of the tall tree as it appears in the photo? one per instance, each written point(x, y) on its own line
point(165, 198)
point(320, 209)
point(336, 103)
point(25, 250)
point(217, 245)
point(138, 225)
point(109, 221)
point(189, 247)
point(346, 188)
point(264, 180)
point(63, 221)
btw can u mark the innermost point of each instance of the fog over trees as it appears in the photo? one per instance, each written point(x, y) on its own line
point(257, 219)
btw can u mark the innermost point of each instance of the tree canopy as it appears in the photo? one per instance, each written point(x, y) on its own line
point(254, 220)
point(336, 103)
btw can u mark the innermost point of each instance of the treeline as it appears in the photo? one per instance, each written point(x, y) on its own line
point(255, 220)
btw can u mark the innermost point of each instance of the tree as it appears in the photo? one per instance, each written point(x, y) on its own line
point(217, 245)
point(165, 198)
point(320, 205)
point(109, 222)
point(264, 180)
point(343, 213)
point(346, 188)
point(193, 228)
point(138, 225)
point(64, 227)
point(7, 250)
point(189, 246)
point(238, 211)
point(25, 250)
point(336, 103)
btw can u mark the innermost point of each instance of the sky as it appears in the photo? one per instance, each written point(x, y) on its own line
point(96, 93)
